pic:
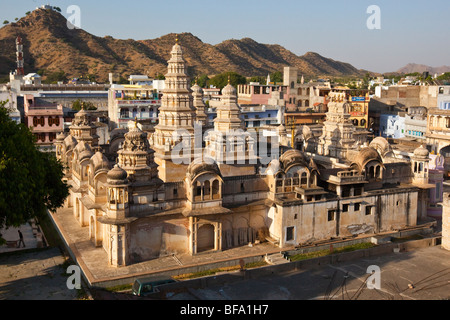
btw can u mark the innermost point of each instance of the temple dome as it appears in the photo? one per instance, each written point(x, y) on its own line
point(99, 162)
point(366, 155)
point(229, 90)
point(422, 152)
point(135, 138)
point(381, 145)
point(70, 142)
point(274, 167)
point(196, 89)
point(83, 151)
point(293, 157)
point(201, 166)
point(117, 176)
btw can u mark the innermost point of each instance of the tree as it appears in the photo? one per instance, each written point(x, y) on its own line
point(221, 80)
point(276, 77)
point(56, 77)
point(78, 105)
point(30, 180)
point(160, 76)
point(202, 80)
point(6, 22)
point(260, 79)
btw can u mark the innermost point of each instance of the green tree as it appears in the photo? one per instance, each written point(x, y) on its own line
point(30, 180)
point(221, 80)
point(445, 76)
point(201, 80)
point(78, 105)
point(260, 79)
point(160, 76)
point(276, 77)
point(6, 22)
point(56, 77)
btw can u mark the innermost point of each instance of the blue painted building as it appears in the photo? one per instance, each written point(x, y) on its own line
point(392, 125)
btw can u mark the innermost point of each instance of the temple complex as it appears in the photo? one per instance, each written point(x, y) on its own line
point(184, 190)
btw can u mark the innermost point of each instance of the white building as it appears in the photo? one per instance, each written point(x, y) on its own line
point(11, 97)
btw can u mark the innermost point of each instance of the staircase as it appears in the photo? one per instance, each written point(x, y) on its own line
point(275, 259)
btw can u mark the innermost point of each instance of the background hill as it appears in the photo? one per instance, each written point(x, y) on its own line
point(412, 68)
point(49, 45)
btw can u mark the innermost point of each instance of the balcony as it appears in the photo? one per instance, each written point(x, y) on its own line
point(347, 177)
point(137, 103)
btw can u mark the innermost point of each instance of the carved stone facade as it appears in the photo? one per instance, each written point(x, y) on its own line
point(139, 205)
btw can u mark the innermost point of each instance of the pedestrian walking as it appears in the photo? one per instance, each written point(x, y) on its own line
point(21, 239)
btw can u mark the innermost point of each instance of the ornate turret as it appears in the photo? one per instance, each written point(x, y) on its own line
point(136, 157)
point(338, 130)
point(117, 184)
point(229, 143)
point(82, 129)
point(228, 112)
point(197, 93)
point(420, 165)
point(177, 111)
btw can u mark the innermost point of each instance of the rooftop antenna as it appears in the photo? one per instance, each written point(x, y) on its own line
point(19, 52)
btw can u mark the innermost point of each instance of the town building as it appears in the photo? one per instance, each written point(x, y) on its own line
point(180, 190)
point(438, 128)
point(416, 123)
point(45, 119)
point(10, 97)
point(127, 102)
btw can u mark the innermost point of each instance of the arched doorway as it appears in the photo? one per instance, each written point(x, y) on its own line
point(205, 238)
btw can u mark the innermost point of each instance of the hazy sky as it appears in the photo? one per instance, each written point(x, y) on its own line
point(411, 31)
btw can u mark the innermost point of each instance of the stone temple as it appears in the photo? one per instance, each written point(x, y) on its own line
point(185, 190)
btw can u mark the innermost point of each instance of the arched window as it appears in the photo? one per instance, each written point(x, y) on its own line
point(216, 189)
point(371, 172)
point(304, 180)
point(296, 180)
point(198, 189)
point(207, 190)
point(378, 172)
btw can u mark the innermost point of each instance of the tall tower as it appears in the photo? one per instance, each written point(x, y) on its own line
point(176, 121)
point(233, 148)
point(338, 130)
point(202, 117)
point(19, 52)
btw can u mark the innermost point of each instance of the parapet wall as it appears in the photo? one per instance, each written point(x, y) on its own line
point(446, 222)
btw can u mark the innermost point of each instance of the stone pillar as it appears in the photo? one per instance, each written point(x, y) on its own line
point(446, 222)
point(118, 254)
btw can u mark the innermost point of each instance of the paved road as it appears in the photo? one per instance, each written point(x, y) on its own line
point(39, 276)
point(428, 270)
point(34, 275)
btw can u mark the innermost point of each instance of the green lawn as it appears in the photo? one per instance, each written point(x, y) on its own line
point(322, 253)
